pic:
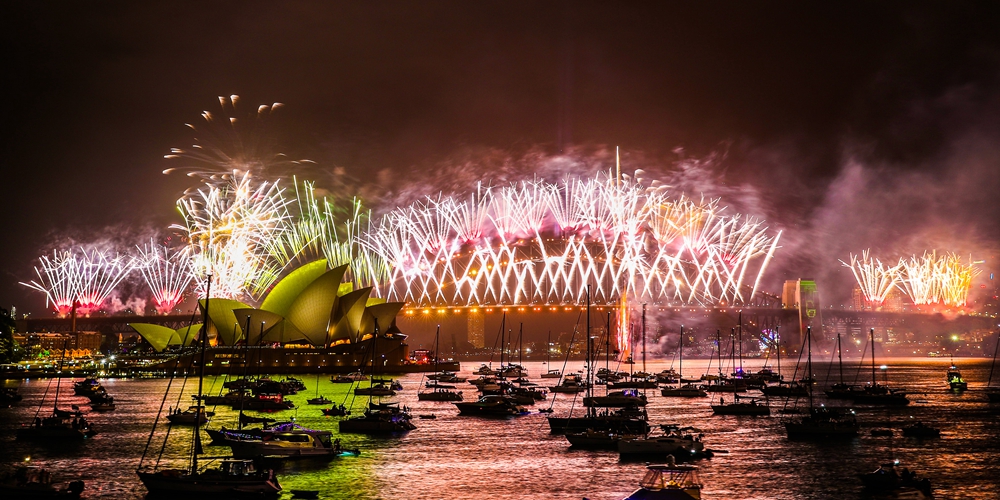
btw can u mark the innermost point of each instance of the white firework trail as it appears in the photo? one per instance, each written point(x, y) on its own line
point(167, 273)
point(875, 279)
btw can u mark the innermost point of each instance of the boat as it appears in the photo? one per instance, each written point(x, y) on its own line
point(887, 482)
point(379, 417)
point(874, 393)
point(87, 386)
point(954, 378)
point(103, 403)
point(630, 419)
point(617, 399)
point(674, 440)
point(669, 481)
point(440, 392)
point(591, 439)
point(688, 390)
point(9, 396)
point(993, 393)
point(350, 378)
point(195, 414)
point(841, 390)
point(737, 407)
point(921, 430)
point(786, 389)
point(294, 443)
point(571, 384)
point(491, 406)
point(550, 373)
point(231, 477)
point(375, 390)
point(484, 370)
point(447, 377)
point(318, 399)
point(684, 391)
point(822, 422)
point(336, 411)
point(61, 425)
point(35, 482)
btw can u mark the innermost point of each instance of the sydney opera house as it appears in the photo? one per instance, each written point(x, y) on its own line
point(311, 321)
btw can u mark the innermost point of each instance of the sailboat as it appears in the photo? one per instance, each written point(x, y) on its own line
point(551, 372)
point(440, 391)
point(841, 390)
point(686, 390)
point(875, 393)
point(379, 417)
point(822, 422)
point(782, 388)
point(230, 477)
point(993, 393)
point(496, 400)
point(318, 399)
point(61, 425)
point(627, 420)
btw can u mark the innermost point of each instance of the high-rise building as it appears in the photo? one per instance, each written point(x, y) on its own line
point(477, 329)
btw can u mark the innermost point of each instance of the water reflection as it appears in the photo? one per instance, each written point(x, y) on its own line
point(467, 457)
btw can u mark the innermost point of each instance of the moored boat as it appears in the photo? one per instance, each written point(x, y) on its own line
point(36, 482)
point(668, 481)
point(491, 405)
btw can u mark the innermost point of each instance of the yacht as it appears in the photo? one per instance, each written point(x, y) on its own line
point(571, 384)
point(668, 481)
point(349, 378)
point(491, 405)
point(616, 399)
point(287, 444)
point(36, 482)
point(194, 414)
point(737, 407)
point(684, 391)
point(823, 423)
point(955, 380)
point(591, 439)
point(887, 482)
point(379, 418)
point(60, 426)
point(674, 441)
point(552, 374)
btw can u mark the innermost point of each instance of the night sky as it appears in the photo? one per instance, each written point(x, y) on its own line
point(846, 125)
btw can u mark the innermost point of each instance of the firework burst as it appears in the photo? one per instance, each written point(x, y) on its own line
point(82, 277)
point(875, 279)
point(167, 273)
point(536, 242)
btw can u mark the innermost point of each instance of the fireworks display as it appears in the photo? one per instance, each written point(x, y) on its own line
point(232, 143)
point(86, 278)
point(167, 273)
point(928, 279)
point(875, 279)
point(933, 279)
point(542, 243)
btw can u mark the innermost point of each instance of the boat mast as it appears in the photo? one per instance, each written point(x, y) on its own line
point(840, 358)
point(644, 338)
point(777, 343)
point(590, 371)
point(201, 377)
point(872, 333)
point(809, 360)
point(437, 346)
point(741, 342)
point(718, 348)
point(680, 359)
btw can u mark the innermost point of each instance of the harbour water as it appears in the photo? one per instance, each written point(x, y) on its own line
point(453, 457)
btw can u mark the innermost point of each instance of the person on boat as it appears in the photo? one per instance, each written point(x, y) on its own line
point(722, 401)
